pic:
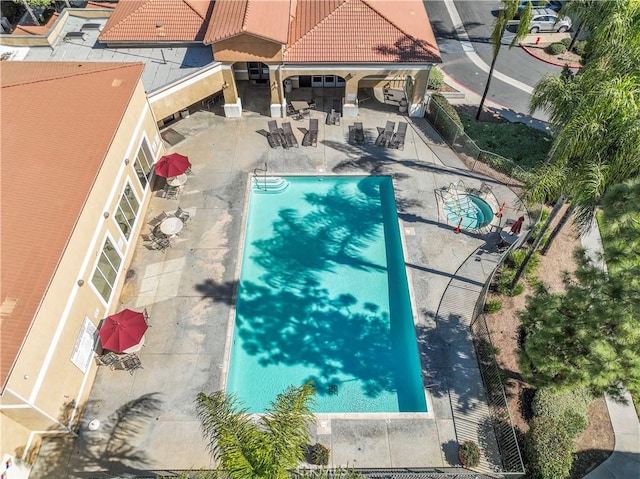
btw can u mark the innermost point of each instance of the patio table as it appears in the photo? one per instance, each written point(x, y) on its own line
point(171, 226)
point(299, 105)
point(177, 180)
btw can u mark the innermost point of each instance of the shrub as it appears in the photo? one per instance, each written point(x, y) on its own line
point(580, 48)
point(436, 79)
point(567, 408)
point(548, 448)
point(517, 289)
point(319, 454)
point(555, 49)
point(469, 453)
point(450, 127)
point(566, 42)
point(503, 284)
point(493, 306)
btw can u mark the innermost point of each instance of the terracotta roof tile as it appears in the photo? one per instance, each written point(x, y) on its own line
point(35, 29)
point(57, 121)
point(158, 21)
point(268, 19)
point(361, 31)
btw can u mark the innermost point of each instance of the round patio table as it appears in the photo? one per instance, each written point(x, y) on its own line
point(136, 347)
point(171, 226)
point(508, 237)
point(177, 180)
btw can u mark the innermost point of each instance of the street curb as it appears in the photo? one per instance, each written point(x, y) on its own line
point(557, 64)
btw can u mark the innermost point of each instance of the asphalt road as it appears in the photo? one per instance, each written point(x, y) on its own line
point(478, 18)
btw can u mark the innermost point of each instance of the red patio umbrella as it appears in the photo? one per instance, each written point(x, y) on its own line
point(122, 330)
point(172, 165)
point(517, 226)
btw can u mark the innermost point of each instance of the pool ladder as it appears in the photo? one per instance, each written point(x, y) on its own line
point(268, 184)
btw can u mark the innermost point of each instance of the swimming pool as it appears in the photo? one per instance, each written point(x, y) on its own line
point(474, 211)
point(323, 296)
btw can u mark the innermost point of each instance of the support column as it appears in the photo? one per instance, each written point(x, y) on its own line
point(232, 102)
point(278, 105)
point(417, 100)
point(350, 107)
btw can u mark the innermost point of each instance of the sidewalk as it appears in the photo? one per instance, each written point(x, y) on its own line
point(625, 461)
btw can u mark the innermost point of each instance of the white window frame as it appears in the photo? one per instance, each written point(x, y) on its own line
point(114, 243)
point(136, 212)
point(148, 158)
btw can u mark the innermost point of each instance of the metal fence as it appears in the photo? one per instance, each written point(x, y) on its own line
point(476, 159)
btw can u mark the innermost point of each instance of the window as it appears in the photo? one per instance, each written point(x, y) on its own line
point(127, 211)
point(104, 276)
point(143, 164)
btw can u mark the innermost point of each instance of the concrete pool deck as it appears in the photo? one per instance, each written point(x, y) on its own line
point(148, 419)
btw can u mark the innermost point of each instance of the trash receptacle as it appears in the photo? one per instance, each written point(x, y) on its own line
point(402, 106)
point(184, 113)
point(287, 86)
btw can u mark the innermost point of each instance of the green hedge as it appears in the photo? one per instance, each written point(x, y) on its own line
point(436, 79)
point(448, 126)
point(569, 408)
point(548, 447)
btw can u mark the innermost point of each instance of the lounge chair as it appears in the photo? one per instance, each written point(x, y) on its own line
point(289, 137)
point(274, 137)
point(384, 135)
point(311, 136)
point(397, 140)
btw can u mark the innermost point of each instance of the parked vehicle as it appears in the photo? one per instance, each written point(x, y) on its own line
point(546, 20)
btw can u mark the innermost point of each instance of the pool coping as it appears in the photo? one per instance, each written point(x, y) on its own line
point(429, 413)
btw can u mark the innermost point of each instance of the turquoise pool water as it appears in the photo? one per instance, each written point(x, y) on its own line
point(323, 296)
point(474, 211)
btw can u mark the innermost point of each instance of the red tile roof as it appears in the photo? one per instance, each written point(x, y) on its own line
point(268, 19)
point(158, 21)
point(35, 29)
point(361, 31)
point(58, 120)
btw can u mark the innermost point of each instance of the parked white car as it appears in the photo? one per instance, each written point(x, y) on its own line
point(546, 20)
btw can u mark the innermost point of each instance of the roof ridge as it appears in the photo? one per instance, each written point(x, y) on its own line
point(112, 66)
point(188, 2)
point(391, 22)
point(317, 25)
point(125, 19)
point(245, 17)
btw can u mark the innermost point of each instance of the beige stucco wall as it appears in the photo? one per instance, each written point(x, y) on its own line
point(186, 92)
point(247, 48)
point(362, 78)
point(63, 309)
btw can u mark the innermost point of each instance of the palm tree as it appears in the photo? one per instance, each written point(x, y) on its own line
point(249, 450)
point(505, 15)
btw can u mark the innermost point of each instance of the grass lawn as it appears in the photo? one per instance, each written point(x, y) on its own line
point(525, 145)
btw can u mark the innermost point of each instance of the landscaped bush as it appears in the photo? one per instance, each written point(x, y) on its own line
point(436, 79)
point(503, 284)
point(319, 454)
point(548, 447)
point(493, 306)
point(580, 47)
point(516, 258)
point(566, 42)
point(555, 49)
point(569, 409)
point(469, 453)
point(517, 290)
point(448, 126)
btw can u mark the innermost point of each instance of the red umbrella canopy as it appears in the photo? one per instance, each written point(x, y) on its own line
point(122, 330)
point(172, 165)
point(517, 226)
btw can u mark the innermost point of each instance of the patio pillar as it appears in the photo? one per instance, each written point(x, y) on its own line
point(278, 99)
point(417, 101)
point(350, 107)
point(232, 102)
